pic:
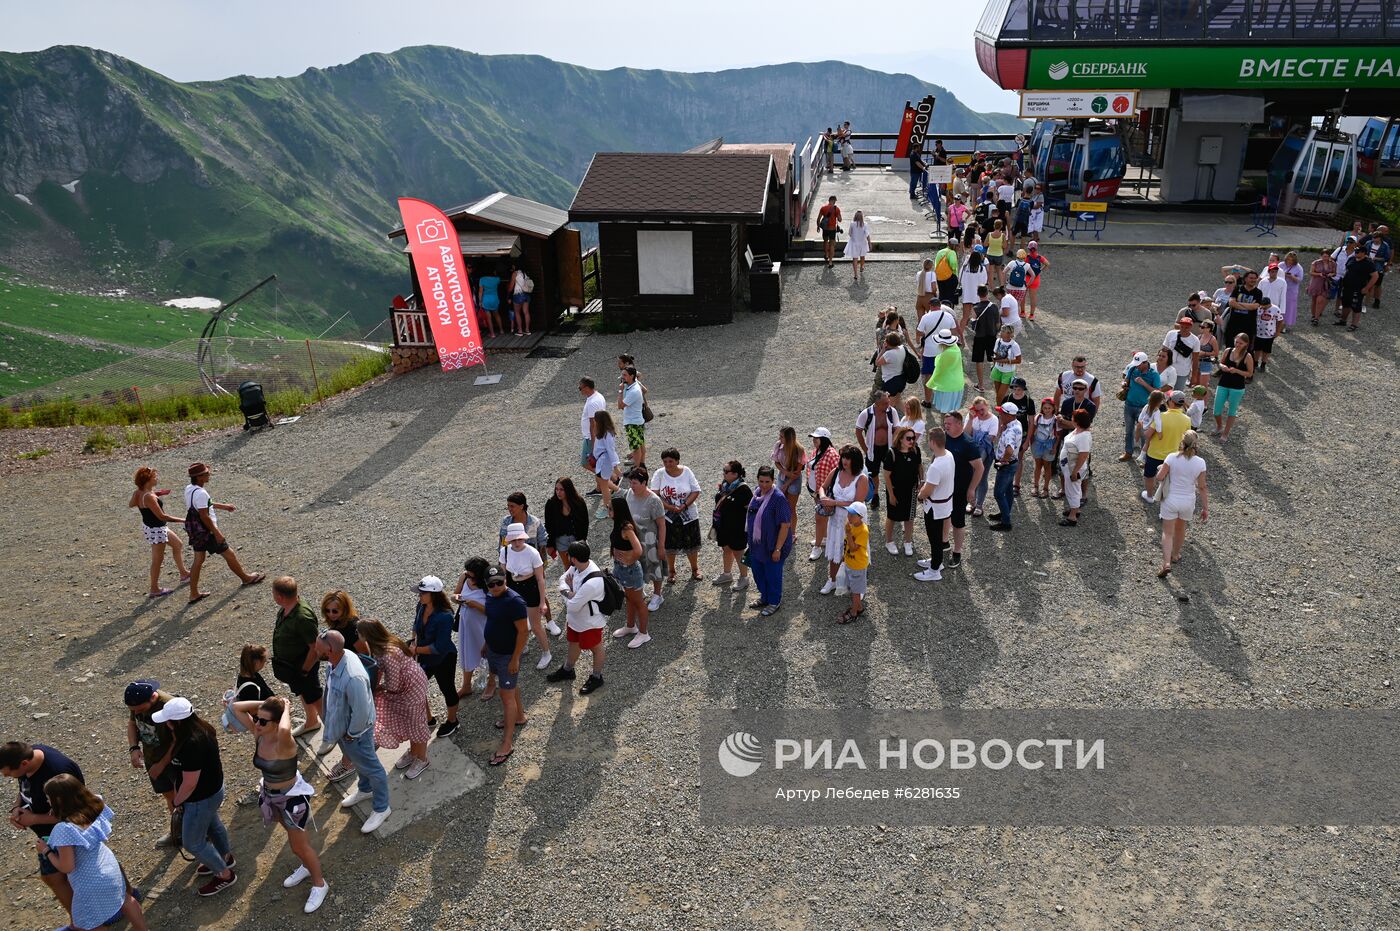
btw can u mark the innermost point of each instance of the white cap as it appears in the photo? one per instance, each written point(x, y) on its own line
point(514, 532)
point(822, 432)
point(1009, 408)
point(1139, 358)
point(857, 508)
point(429, 583)
point(177, 709)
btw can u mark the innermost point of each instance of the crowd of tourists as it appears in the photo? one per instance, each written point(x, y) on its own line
point(924, 449)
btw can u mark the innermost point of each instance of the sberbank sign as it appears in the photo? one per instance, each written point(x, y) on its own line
point(1223, 68)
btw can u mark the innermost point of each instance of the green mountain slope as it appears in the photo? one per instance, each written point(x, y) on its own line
point(204, 188)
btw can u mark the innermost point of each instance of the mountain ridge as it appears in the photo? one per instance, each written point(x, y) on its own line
point(203, 187)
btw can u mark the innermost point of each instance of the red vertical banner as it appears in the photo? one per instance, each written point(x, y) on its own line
point(442, 275)
point(906, 126)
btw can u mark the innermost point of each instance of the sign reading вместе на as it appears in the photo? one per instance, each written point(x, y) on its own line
point(1226, 68)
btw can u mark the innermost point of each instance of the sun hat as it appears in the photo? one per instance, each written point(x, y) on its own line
point(140, 692)
point(1139, 358)
point(177, 709)
point(1011, 409)
point(945, 337)
point(820, 432)
point(429, 583)
point(857, 508)
point(514, 532)
point(197, 469)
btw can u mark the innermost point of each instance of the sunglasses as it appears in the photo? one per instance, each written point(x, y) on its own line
point(263, 720)
point(496, 583)
point(332, 612)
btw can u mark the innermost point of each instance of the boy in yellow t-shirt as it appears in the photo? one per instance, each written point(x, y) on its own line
point(856, 559)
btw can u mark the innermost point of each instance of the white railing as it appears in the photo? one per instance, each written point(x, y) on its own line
point(411, 328)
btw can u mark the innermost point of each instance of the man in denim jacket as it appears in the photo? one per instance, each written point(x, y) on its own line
point(349, 721)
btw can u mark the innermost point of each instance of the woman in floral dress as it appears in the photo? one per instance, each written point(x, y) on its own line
point(401, 701)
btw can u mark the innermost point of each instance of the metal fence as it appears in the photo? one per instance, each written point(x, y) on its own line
point(173, 370)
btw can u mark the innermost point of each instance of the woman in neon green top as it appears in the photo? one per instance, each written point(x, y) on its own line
point(947, 380)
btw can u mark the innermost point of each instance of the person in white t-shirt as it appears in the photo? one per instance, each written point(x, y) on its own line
point(892, 365)
point(593, 402)
point(1010, 310)
point(1197, 410)
point(1185, 363)
point(678, 490)
point(939, 316)
point(925, 286)
point(936, 503)
point(1166, 371)
point(1074, 466)
point(198, 500)
point(582, 588)
point(1184, 474)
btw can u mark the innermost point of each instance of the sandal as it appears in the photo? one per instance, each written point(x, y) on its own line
point(1015, 491)
point(501, 725)
point(1351, 329)
point(160, 594)
point(1163, 572)
point(1066, 522)
point(257, 577)
point(499, 758)
point(198, 597)
point(850, 616)
point(671, 579)
point(976, 512)
point(488, 693)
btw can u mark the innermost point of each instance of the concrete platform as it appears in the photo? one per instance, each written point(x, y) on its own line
point(898, 225)
point(451, 775)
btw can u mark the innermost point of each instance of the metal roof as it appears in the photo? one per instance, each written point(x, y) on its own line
point(674, 186)
point(505, 244)
point(509, 212)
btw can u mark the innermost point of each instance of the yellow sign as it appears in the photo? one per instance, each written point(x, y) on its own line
point(960, 159)
point(1088, 206)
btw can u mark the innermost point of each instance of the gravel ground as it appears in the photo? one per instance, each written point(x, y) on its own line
point(1280, 602)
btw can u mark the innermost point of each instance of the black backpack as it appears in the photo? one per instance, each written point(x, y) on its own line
point(912, 367)
point(613, 595)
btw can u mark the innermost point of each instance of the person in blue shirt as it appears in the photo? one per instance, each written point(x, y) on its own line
point(488, 301)
point(1141, 379)
point(349, 721)
point(433, 625)
point(506, 633)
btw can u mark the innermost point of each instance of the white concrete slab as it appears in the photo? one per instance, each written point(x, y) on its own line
point(451, 775)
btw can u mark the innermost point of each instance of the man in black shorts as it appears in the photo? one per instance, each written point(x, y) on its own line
point(983, 322)
point(294, 661)
point(829, 222)
point(206, 538)
point(33, 766)
point(967, 472)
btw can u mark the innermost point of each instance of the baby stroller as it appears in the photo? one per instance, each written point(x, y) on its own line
point(254, 406)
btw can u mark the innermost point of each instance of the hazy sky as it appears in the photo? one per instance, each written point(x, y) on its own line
point(198, 40)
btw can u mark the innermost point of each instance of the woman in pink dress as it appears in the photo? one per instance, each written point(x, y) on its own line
point(401, 701)
point(1293, 274)
point(1320, 282)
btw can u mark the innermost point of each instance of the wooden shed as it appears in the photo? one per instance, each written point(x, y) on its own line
point(502, 228)
point(672, 232)
point(780, 226)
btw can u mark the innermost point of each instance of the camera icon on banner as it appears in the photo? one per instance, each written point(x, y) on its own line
point(433, 230)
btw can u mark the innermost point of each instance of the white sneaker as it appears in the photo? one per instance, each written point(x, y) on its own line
point(317, 896)
point(640, 640)
point(842, 590)
point(373, 822)
point(724, 578)
point(552, 628)
point(416, 769)
point(816, 553)
point(301, 875)
point(929, 575)
point(740, 586)
point(892, 548)
point(655, 602)
point(924, 563)
point(624, 632)
point(908, 549)
point(600, 514)
point(829, 587)
point(1145, 496)
point(545, 661)
point(355, 798)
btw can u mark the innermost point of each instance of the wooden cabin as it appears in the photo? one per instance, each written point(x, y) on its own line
point(673, 232)
point(773, 236)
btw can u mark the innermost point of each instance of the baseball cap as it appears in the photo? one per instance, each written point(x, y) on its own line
point(430, 583)
point(1187, 321)
point(1009, 408)
point(1273, 265)
point(1265, 301)
point(1079, 383)
point(857, 508)
point(513, 532)
point(495, 574)
point(140, 692)
point(177, 709)
point(1139, 358)
point(1032, 245)
point(979, 248)
point(1018, 382)
point(821, 432)
point(1177, 397)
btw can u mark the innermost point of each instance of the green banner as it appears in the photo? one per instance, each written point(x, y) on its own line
point(1229, 68)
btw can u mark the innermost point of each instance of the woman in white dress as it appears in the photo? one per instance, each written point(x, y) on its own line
point(857, 245)
point(848, 483)
point(1182, 475)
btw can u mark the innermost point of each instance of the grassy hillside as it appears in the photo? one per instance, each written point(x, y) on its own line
point(204, 188)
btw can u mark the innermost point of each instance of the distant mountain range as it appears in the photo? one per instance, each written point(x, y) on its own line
point(204, 188)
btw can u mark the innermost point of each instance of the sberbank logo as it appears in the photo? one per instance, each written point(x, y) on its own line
point(1098, 69)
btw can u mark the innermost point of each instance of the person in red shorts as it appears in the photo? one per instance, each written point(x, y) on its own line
point(582, 587)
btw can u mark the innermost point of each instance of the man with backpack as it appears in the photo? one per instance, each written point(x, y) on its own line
point(937, 317)
point(829, 222)
point(590, 595)
point(945, 270)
